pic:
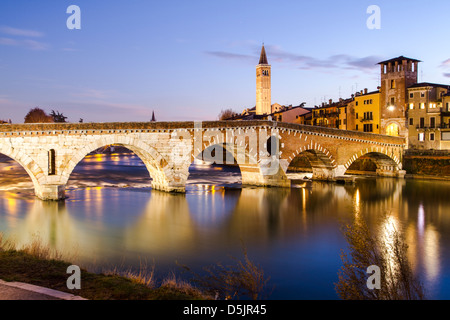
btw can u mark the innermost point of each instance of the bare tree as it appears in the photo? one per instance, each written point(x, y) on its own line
point(58, 117)
point(226, 114)
point(37, 115)
point(245, 279)
point(389, 254)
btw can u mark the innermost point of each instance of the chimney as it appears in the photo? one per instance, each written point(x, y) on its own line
point(330, 101)
point(365, 91)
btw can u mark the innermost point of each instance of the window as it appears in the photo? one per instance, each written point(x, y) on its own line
point(445, 136)
point(392, 101)
point(392, 84)
point(411, 95)
point(447, 106)
point(357, 115)
point(422, 122)
point(368, 127)
point(368, 115)
point(411, 106)
point(421, 136)
point(51, 162)
point(411, 121)
point(432, 122)
point(422, 94)
point(422, 105)
point(431, 136)
point(356, 127)
point(356, 102)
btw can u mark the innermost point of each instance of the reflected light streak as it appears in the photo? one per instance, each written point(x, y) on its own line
point(12, 206)
point(303, 200)
point(431, 253)
point(421, 220)
point(357, 204)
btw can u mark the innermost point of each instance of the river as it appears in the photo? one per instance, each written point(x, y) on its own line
point(113, 220)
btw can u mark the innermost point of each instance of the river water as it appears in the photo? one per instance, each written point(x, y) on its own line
point(113, 220)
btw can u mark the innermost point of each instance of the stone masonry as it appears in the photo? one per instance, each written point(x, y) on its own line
point(50, 152)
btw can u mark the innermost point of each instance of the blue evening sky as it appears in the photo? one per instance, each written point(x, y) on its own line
point(187, 60)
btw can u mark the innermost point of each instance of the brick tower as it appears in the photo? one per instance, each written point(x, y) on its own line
point(263, 85)
point(397, 75)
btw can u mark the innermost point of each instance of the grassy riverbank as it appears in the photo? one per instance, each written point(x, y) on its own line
point(36, 264)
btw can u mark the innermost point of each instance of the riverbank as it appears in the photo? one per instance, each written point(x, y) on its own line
point(427, 164)
point(32, 265)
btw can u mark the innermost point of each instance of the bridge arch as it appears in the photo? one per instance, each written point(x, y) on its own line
point(320, 158)
point(34, 171)
point(157, 166)
point(256, 169)
point(387, 163)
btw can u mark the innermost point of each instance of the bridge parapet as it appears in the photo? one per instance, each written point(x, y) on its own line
point(170, 126)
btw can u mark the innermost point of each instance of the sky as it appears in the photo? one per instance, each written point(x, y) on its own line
point(188, 60)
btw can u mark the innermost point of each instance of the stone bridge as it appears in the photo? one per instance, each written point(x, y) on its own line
point(263, 150)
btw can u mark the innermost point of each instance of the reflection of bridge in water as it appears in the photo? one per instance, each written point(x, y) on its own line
point(164, 221)
point(263, 150)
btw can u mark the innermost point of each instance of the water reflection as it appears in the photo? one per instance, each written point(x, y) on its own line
point(294, 234)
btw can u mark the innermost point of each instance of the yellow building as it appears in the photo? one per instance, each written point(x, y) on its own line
point(367, 112)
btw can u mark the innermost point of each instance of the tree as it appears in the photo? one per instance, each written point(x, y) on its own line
point(58, 117)
point(388, 253)
point(37, 115)
point(226, 114)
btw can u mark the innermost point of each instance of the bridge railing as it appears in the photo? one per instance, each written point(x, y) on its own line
point(134, 127)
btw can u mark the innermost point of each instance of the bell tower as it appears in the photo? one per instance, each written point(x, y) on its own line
point(263, 85)
point(396, 76)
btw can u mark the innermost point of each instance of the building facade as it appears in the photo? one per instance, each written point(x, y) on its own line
point(367, 112)
point(429, 116)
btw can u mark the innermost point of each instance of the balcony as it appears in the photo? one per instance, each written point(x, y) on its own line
point(366, 119)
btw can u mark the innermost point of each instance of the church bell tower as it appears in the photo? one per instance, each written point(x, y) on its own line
point(263, 85)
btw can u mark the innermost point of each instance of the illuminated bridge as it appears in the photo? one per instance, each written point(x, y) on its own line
point(263, 150)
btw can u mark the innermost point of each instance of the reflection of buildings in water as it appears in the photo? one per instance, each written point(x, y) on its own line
point(379, 196)
point(387, 208)
point(423, 246)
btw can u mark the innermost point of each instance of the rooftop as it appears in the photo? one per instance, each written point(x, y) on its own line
point(429, 84)
point(263, 57)
point(399, 59)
